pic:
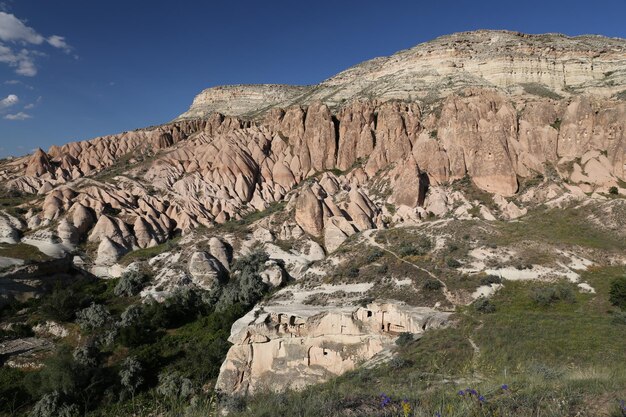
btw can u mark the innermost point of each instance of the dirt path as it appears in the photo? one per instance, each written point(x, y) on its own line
point(369, 236)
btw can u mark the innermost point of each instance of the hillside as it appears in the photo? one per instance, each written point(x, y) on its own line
point(451, 216)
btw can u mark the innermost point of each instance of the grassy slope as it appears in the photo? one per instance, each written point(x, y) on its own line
point(561, 360)
point(557, 361)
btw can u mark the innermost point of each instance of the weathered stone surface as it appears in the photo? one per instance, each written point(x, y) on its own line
point(309, 212)
point(206, 271)
point(108, 252)
point(337, 230)
point(280, 350)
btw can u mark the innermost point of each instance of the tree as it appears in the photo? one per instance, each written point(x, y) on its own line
point(86, 355)
point(617, 292)
point(130, 284)
point(50, 405)
point(131, 376)
point(96, 316)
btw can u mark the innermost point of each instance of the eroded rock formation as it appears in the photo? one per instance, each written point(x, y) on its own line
point(280, 350)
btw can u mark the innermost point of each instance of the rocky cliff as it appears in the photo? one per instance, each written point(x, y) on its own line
point(515, 63)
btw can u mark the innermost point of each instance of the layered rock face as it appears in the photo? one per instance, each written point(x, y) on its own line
point(281, 350)
point(519, 63)
point(243, 99)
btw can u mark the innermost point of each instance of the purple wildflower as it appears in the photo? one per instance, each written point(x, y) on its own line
point(474, 392)
point(384, 400)
point(437, 414)
point(504, 387)
point(461, 393)
point(481, 399)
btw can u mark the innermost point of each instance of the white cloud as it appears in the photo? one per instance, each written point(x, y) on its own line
point(13, 30)
point(59, 42)
point(8, 101)
point(18, 116)
point(12, 82)
point(23, 61)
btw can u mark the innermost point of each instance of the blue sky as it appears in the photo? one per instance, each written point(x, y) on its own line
point(75, 69)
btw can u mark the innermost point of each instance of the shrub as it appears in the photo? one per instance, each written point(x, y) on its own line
point(404, 339)
point(130, 284)
point(96, 316)
point(419, 248)
point(50, 405)
point(490, 279)
point(233, 403)
point(61, 305)
point(399, 363)
point(184, 305)
point(16, 331)
point(86, 355)
point(617, 292)
point(613, 191)
point(131, 374)
point(174, 387)
point(374, 255)
point(130, 316)
point(453, 263)
point(432, 285)
point(544, 296)
point(248, 287)
point(619, 318)
point(484, 306)
point(352, 272)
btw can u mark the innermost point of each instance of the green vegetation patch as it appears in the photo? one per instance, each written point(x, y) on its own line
point(23, 251)
point(147, 253)
point(568, 226)
point(539, 90)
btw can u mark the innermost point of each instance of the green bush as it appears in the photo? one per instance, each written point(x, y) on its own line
point(453, 263)
point(613, 191)
point(61, 305)
point(130, 284)
point(432, 285)
point(131, 374)
point(94, 317)
point(13, 394)
point(174, 387)
point(245, 286)
point(404, 339)
point(490, 279)
point(352, 272)
point(50, 405)
point(419, 248)
point(619, 318)
point(545, 296)
point(617, 292)
point(16, 331)
point(374, 255)
point(484, 305)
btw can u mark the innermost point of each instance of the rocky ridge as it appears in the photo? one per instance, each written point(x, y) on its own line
point(482, 125)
